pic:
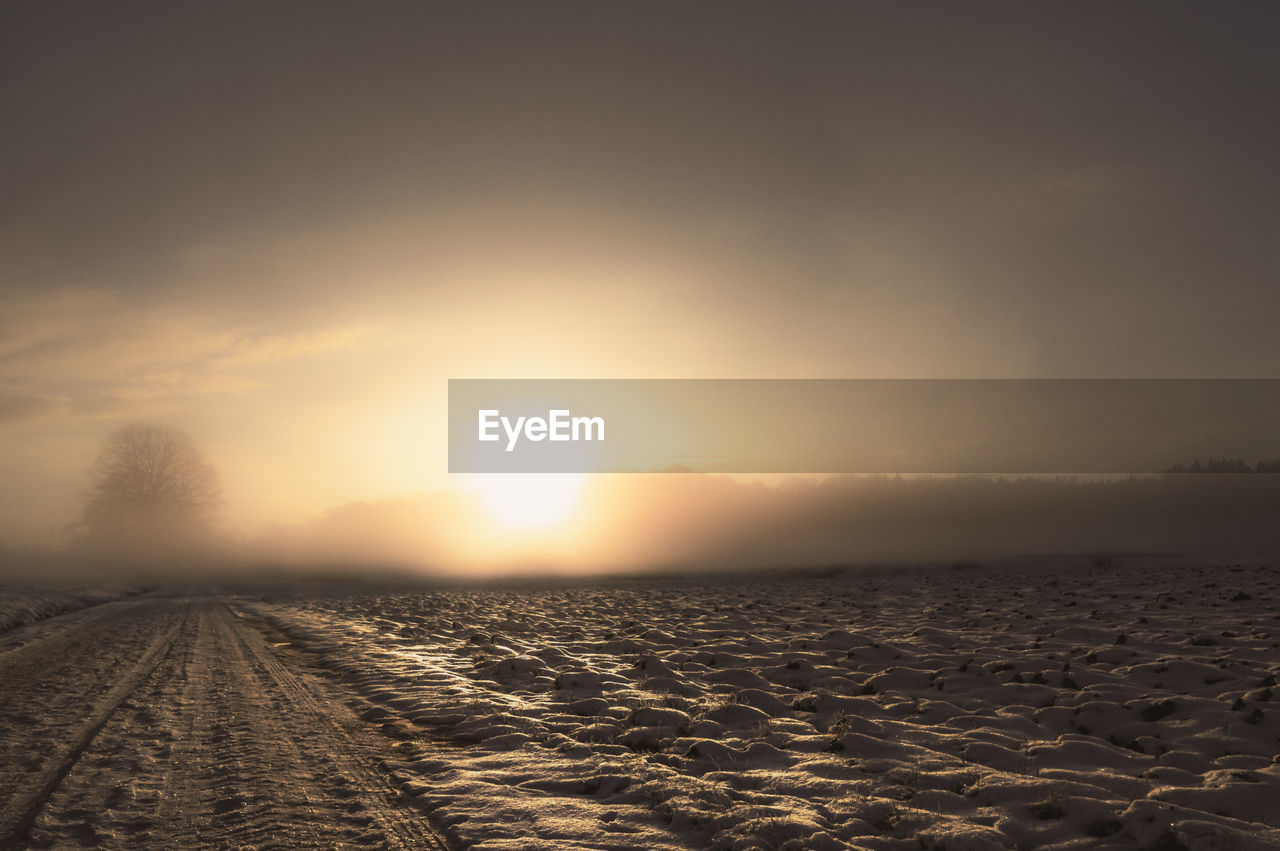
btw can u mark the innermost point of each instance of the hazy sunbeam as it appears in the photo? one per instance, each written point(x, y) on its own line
point(529, 500)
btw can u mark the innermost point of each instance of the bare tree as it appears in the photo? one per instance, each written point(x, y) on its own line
point(150, 483)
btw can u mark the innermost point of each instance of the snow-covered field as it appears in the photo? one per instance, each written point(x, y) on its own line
point(21, 605)
point(1074, 706)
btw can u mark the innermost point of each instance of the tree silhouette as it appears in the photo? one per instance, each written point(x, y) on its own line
point(1226, 465)
point(150, 484)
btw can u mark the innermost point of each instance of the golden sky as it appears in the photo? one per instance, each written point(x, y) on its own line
point(284, 227)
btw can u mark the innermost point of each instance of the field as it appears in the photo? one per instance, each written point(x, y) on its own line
point(1066, 704)
point(975, 707)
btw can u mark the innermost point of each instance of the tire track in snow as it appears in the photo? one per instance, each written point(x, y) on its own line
point(19, 812)
point(224, 745)
point(405, 828)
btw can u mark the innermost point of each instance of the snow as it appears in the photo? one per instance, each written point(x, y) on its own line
point(21, 605)
point(1072, 707)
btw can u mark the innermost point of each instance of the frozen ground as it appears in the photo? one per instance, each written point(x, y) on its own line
point(1079, 706)
point(1062, 706)
point(168, 720)
point(21, 605)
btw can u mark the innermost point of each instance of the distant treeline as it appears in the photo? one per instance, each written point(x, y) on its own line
point(695, 521)
point(1226, 465)
point(698, 520)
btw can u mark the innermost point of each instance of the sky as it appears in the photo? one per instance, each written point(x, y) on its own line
point(283, 226)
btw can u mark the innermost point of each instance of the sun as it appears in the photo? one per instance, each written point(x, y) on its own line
point(529, 500)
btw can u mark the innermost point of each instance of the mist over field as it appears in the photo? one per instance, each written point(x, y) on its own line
point(247, 247)
point(289, 255)
point(693, 522)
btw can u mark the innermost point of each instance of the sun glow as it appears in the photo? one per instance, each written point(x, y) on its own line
point(529, 500)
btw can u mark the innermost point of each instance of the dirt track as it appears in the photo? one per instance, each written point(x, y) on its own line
point(171, 721)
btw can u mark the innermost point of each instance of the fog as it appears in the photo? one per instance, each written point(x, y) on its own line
point(692, 522)
point(282, 230)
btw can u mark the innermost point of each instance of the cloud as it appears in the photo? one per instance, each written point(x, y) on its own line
point(23, 407)
point(226, 384)
point(92, 353)
point(276, 348)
